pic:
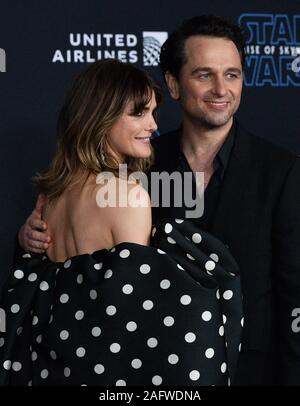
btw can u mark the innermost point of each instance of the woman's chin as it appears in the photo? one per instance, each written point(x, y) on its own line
point(143, 153)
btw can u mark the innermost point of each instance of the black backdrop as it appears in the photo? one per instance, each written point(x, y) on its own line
point(40, 65)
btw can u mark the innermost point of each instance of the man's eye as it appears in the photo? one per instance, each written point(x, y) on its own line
point(204, 76)
point(232, 75)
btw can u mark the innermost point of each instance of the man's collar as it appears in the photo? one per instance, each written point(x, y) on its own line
point(169, 154)
point(223, 155)
point(222, 158)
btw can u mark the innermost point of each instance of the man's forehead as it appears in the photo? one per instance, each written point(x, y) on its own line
point(203, 49)
point(209, 43)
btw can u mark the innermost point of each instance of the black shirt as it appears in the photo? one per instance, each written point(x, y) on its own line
point(170, 158)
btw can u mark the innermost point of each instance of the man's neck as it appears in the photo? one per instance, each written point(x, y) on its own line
point(200, 141)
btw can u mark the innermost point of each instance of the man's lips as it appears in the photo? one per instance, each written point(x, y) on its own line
point(217, 105)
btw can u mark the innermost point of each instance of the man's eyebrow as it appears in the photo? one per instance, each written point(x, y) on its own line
point(233, 69)
point(202, 69)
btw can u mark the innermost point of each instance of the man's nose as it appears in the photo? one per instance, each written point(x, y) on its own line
point(219, 87)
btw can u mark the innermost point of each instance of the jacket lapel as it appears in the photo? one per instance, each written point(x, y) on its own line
point(229, 211)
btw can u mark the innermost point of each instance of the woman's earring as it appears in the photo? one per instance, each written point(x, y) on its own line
point(102, 155)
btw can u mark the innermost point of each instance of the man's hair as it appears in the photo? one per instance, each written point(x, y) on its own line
point(94, 103)
point(172, 56)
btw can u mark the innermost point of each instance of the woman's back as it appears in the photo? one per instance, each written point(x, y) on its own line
point(79, 225)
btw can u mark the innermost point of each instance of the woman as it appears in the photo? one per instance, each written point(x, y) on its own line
point(103, 307)
point(107, 120)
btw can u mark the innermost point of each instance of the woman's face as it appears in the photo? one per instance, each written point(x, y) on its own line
point(130, 135)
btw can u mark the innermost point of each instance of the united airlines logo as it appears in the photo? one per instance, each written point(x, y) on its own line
point(83, 47)
point(152, 43)
point(272, 50)
point(2, 60)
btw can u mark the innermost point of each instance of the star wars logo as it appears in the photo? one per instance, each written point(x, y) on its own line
point(273, 46)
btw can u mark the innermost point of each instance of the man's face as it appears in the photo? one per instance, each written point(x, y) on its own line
point(210, 83)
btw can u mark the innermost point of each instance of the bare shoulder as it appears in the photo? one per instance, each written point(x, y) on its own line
point(127, 212)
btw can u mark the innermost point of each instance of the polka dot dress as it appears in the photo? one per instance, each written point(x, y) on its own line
point(167, 314)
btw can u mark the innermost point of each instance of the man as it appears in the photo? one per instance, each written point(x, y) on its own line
point(252, 195)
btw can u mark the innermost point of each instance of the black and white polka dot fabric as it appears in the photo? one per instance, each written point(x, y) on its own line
point(167, 314)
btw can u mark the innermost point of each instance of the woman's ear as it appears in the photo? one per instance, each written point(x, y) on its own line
point(173, 85)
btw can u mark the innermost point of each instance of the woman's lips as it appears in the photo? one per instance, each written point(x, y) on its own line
point(144, 140)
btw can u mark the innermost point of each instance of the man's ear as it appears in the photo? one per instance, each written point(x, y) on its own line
point(173, 86)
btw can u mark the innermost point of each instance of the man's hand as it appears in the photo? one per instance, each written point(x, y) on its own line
point(33, 235)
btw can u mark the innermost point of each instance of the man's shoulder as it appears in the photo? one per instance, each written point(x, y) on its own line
point(262, 148)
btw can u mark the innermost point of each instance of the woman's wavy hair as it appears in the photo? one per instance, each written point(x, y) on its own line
point(94, 103)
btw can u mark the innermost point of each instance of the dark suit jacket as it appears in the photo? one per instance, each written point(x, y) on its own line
point(258, 217)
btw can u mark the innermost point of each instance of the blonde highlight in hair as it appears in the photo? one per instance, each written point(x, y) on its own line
point(93, 105)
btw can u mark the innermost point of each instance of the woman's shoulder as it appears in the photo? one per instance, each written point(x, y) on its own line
point(125, 209)
point(118, 193)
